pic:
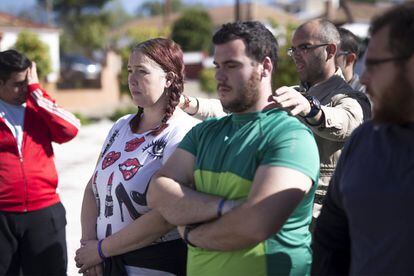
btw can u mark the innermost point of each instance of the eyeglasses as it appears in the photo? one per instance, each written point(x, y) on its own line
point(342, 53)
point(303, 48)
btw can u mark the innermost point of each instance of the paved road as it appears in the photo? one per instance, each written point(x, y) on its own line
point(75, 162)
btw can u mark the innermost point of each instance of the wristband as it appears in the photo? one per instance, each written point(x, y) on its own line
point(220, 207)
point(187, 230)
point(197, 107)
point(101, 254)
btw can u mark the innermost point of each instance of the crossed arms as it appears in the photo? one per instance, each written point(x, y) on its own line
point(275, 193)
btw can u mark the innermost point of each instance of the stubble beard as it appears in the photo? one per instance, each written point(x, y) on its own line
point(314, 71)
point(397, 102)
point(246, 97)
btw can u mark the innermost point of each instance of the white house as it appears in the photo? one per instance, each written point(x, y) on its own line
point(11, 26)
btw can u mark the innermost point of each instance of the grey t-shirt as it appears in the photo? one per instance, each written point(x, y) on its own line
point(13, 115)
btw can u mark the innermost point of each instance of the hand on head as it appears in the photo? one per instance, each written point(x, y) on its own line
point(32, 77)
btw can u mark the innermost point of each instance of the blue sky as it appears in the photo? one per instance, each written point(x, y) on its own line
point(14, 6)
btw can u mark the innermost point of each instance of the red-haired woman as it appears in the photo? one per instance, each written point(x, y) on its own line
point(115, 217)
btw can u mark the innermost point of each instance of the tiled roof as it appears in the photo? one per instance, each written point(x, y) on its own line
point(9, 20)
point(219, 15)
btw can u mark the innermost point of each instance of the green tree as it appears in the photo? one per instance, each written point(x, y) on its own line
point(193, 30)
point(207, 80)
point(89, 31)
point(152, 8)
point(31, 46)
point(286, 73)
point(70, 7)
point(117, 14)
point(85, 25)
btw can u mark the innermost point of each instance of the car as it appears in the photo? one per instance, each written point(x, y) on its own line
point(79, 71)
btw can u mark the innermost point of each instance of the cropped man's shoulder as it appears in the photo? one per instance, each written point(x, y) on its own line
point(280, 121)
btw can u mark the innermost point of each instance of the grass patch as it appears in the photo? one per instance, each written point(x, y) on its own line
point(122, 112)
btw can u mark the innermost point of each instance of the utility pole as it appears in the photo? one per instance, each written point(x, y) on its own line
point(250, 6)
point(167, 12)
point(237, 10)
point(49, 10)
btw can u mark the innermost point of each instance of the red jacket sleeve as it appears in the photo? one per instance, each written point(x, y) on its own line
point(62, 124)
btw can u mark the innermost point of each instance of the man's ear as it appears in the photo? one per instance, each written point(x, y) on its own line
point(350, 59)
point(331, 50)
point(267, 67)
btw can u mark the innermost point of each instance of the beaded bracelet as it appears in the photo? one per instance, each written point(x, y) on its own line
point(187, 230)
point(197, 107)
point(220, 207)
point(101, 254)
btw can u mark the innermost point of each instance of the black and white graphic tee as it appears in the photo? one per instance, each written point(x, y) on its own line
point(128, 161)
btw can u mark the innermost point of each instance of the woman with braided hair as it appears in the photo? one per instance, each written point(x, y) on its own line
point(118, 228)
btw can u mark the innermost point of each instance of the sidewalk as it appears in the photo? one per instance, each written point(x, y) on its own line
point(75, 163)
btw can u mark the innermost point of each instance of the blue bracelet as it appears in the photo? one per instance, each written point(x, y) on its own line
point(101, 254)
point(187, 230)
point(220, 207)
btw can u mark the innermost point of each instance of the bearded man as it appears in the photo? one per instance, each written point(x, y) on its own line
point(366, 226)
point(247, 180)
point(324, 101)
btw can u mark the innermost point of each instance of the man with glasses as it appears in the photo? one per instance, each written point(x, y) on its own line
point(346, 57)
point(369, 202)
point(323, 101)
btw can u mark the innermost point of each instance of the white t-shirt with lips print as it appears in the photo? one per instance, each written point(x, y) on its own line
point(128, 161)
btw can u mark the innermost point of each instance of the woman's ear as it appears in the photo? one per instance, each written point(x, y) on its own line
point(169, 79)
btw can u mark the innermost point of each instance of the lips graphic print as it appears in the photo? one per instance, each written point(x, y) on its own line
point(129, 168)
point(110, 158)
point(134, 144)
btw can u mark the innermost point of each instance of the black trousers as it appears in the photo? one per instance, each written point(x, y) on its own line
point(33, 243)
point(168, 256)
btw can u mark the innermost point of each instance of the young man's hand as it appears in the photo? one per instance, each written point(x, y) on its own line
point(32, 77)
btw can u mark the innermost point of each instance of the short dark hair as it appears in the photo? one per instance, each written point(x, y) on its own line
point(349, 41)
point(259, 41)
point(326, 32)
point(12, 61)
point(400, 19)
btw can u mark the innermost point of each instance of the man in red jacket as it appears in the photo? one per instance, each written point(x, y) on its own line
point(32, 218)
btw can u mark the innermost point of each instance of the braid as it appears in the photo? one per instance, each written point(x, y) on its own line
point(134, 123)
point(174, 93)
